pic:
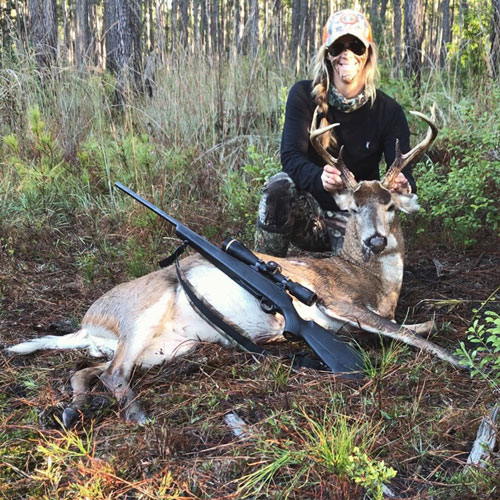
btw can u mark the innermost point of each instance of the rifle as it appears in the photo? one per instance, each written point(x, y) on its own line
point(269, 286)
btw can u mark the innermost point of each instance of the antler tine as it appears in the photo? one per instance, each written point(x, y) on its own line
point(402, 160)
point(314, 136)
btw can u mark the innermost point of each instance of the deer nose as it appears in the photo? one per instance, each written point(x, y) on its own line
point(376, 243)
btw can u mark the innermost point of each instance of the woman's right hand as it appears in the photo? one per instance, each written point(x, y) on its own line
point(331, 179)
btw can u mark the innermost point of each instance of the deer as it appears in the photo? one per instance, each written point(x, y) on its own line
point(150, 320)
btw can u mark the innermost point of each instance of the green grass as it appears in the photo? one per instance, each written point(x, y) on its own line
point(201, 153)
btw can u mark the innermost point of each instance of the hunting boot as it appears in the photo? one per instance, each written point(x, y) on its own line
point(275, 217)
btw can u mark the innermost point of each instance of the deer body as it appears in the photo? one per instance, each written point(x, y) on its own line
point(150, 320)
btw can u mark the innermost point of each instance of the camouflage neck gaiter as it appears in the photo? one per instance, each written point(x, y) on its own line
point(341, 103)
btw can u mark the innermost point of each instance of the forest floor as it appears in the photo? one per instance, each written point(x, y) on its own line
point(426, 412)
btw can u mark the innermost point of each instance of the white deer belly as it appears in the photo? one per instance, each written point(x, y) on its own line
point(185, 329)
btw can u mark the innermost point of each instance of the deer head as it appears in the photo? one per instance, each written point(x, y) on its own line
point(373, 204)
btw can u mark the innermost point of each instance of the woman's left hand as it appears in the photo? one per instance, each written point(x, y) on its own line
point(401, 185)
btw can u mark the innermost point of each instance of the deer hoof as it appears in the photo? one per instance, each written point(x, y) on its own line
point(134, 413)
point(69, 416)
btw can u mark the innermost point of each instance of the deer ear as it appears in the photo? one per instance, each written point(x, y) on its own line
point(407, 203)
point(344, 199)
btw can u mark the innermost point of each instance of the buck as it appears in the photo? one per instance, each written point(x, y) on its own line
point(150, 320)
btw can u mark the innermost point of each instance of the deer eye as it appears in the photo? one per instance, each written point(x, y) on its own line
point(391, 207)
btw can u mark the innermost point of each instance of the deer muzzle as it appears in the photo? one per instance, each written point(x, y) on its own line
point(376, 243)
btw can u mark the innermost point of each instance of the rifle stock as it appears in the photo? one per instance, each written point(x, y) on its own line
point(336, 354)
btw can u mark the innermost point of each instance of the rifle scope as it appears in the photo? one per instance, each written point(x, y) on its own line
point(270, 269)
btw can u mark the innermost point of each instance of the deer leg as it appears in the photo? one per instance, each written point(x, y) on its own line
point(117, 376)
point(116, 379)
point(80, 382)
point(369, 321)
point(118, 384)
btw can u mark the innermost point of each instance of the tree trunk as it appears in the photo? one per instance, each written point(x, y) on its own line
point(397, 38)
point(174, 25)
point(446, 32)
point(214, 26)
point(151, 27)
point(184, 23)
point(413, 39)
point(82, 33)
point(304, 28)
point(462, 21)
point(383, 11)
point(20, 26)
point(254, 27)
point(295, 31)
point(95, 25)
point(161, 34)
point(43, 31)
point(313, 45)
point(236, 27)
point(196, 24)
point(204, 26)
point(123, 21)
point(375, 21)
point(65, 51)
point(221, 26)
point(278, 34)
point(495, 39)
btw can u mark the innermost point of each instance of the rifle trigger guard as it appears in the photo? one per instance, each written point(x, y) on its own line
point(267, 306)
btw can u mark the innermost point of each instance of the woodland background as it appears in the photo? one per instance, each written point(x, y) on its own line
point(137, 36)
point(183, 102)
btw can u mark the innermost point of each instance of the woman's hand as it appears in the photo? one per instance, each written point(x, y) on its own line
point(401, 185)
point(331, 179)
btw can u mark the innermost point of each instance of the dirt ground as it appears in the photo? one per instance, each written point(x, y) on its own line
point(39, 296)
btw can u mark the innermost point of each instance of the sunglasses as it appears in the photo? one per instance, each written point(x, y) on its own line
point(355, 45)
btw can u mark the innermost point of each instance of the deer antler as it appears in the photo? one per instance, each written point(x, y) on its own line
point(314, 136)
point(402, 160)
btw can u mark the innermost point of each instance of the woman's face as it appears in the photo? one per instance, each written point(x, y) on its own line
point(348, 56)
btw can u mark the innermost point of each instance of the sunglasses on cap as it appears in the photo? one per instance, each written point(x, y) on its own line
point(355, 45)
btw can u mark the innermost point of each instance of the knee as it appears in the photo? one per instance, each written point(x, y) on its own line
point(276, 203)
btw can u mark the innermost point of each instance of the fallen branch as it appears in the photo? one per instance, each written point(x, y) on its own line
point(485, 440)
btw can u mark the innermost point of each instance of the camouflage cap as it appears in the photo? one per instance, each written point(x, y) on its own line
point(347, 22)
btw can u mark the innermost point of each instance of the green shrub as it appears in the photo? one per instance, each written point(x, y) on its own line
point(483, 358)
point(242, 188)
point(460, 194)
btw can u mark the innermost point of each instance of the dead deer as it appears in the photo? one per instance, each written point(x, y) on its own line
point(150, 320)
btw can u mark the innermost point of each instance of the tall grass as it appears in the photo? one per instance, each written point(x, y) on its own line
point(64, 144)
point(194, 147)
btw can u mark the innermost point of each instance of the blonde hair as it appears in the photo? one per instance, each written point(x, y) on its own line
point(322, 75)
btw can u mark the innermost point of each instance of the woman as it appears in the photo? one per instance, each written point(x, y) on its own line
point(297, 205)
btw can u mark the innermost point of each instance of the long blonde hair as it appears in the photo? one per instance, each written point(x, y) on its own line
point(322, 75)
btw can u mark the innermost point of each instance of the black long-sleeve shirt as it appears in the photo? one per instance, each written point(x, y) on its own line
point(365, 133)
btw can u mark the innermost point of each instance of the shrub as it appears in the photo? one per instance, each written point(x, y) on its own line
point(460, 192)
point(483, 358)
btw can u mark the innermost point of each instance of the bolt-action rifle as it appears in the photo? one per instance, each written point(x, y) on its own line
point(266, 283)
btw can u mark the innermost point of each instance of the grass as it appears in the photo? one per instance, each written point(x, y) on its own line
point(200, 151)
point(312, 436)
